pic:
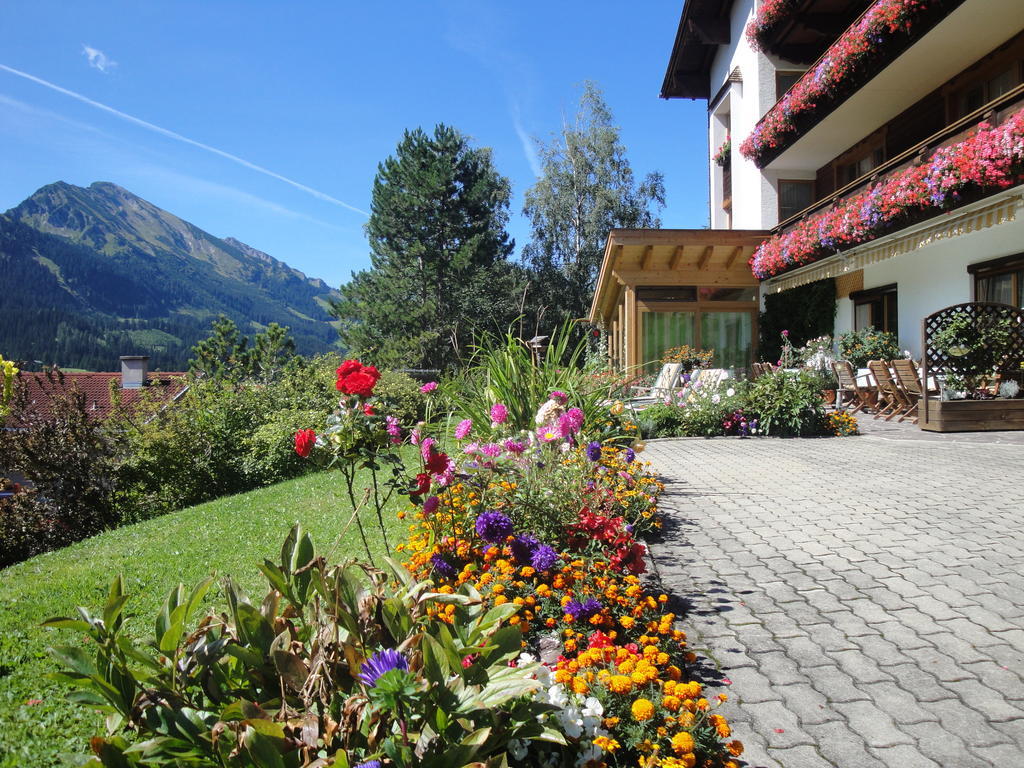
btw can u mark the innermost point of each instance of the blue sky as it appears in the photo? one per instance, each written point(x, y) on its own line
point(265, 121)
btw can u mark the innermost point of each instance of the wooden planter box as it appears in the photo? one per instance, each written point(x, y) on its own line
point(972, 415)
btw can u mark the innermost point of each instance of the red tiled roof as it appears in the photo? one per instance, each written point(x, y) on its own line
point(40, 388)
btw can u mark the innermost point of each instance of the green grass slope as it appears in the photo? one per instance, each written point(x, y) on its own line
point(38, 727)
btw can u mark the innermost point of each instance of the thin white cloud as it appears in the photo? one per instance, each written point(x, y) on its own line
point(527, 142)
point(183, 139)
point(98, 59)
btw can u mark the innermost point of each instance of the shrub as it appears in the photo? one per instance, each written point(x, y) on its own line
point(869, 344)
point(400, 396)
point(787, 404)
point(661, 420)
point(336, 660)
point(69, 461)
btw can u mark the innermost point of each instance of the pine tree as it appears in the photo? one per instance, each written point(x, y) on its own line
point(439, 254)
point(586, 189)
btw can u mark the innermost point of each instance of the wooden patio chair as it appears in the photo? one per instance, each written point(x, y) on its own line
point(891, 400)
point(909, 380)
point(863, 397)
point(666, 383)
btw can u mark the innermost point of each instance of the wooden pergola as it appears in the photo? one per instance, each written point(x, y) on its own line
point(689, 274)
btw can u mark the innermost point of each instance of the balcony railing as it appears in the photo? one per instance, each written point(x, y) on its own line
point(977, 155)
point(877, 38)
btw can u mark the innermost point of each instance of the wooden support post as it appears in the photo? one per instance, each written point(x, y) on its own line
point(632, 334)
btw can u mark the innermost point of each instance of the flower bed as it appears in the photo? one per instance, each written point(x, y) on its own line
point(870, 42)
point(518, 633)
point(989, 160)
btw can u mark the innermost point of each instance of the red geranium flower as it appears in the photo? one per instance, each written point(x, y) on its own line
point(437, 463)
point(305, 439)
point(422, 483)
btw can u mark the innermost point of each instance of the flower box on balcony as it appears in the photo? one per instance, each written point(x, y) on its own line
point(873, 42)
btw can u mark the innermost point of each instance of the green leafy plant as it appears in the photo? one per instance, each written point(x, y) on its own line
point(399, 394)
point(787, 404)
point(338, 664)
point(973, 349)
point(868, 344)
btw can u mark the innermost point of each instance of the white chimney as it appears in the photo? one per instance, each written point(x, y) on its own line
point(133, 371)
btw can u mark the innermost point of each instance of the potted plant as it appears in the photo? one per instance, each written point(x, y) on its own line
point(817, 355)
point(868, 344)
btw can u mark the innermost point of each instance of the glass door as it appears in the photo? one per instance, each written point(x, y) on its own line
point(730, 334)
point(663, 330)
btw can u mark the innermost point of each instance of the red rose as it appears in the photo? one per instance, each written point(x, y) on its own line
point(347, 367)
point(305, 439)
point(438, 463)
point(422, 483)
point(359, 383)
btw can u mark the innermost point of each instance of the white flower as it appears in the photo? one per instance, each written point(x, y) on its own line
point(730, 392)
point(592, 707)
point(715, 398)
point(518, 748)
point(557, 696)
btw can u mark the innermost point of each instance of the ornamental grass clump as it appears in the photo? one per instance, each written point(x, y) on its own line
point(337, 665)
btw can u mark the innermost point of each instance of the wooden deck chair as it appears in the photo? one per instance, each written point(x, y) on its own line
point(891, 400)
point(863, 398)
point(909, 380)
point(712, 377)
point(666, 383)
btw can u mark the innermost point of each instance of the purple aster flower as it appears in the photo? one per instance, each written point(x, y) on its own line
point(523, 547)
point(462, 430)
point(430, 386)
point(430, 505)
point(594, 451)
point(381, 663)
point(544, 558)
point(583, 611)
point(559, 396)
point(391, 425)
point(515, 446)
point(570, 422)
point(499, 414)
point(493, 526)
point(630, 456)
point(370, 764)
point(442, 567)
point(491, 449)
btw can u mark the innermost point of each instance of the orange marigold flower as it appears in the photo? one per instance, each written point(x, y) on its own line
point(642, 709)
point(735, 748)
point(671, 703)
point(721, 726)
point(620, 684)
point(682, 743)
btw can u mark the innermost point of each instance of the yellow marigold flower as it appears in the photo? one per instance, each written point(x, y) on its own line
point(686, 761)
point(682, 743)
point(721, 726)
point(497, 589)
point(500, 600)
point(620, 684)
point(690, 690)
point(610, 722)
point(638, 677)
point(570, 645)
point(723, 697)
point(563, 676)
point(642, 709)
point(626, 666)
point(735, 748)
point(606, 744)
point(702, 705)
point(579, 685)
point(626, 622)
point(671, 703)
point(685, 720)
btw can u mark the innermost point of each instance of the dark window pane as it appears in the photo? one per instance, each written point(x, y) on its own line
point(784, 81)
point(712, 293)
point(794, 196)
point(667, 293)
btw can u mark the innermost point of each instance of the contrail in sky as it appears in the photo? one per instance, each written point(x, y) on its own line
point(184, 139)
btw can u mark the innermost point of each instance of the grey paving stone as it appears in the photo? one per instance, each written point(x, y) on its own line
point(863, 595)
point(943, 747)
point(842, 747)
point(905, 756)
point(810, 706)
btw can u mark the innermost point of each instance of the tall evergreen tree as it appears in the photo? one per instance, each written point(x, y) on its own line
point(586, 189)
point(439, 254)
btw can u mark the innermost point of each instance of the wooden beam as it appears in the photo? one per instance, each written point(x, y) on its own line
point(677, 257)
point(710, 31)
point(705, 257)
point(733, 256)
point(686, 276)
point(675, 237)
point(645, 260)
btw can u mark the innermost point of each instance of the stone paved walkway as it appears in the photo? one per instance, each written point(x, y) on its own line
point(864, 596)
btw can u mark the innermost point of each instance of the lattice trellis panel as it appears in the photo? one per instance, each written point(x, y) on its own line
point(984, 318)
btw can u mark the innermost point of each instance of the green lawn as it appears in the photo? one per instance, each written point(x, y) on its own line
point(227, 536)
